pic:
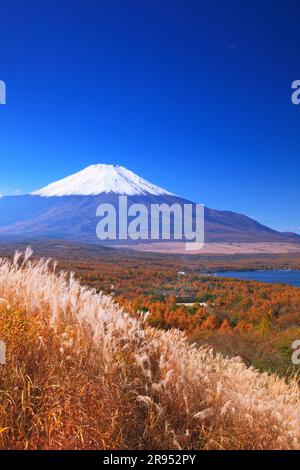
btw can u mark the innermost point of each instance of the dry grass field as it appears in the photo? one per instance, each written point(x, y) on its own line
point(81, 373)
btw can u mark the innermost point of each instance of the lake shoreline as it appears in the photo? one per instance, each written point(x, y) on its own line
point(269, 276)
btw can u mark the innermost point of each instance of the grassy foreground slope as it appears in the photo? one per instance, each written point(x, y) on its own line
point(81, 373)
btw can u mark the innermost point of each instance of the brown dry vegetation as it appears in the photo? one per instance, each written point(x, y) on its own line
point(81, 373)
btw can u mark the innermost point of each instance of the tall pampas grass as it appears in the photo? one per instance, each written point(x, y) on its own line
point(83, 374)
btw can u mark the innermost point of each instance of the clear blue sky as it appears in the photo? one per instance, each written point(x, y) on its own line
point(192, 95)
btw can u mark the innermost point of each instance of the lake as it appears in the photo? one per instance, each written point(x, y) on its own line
point(273, 277)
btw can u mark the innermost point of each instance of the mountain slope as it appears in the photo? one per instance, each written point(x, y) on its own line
point(67, 209)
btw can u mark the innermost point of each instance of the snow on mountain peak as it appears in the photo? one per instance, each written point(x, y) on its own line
point(98, 179)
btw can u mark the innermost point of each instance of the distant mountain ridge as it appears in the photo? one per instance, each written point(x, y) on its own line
point(67, 208)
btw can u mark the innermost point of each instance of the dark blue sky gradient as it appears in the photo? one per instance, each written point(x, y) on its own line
point(193, 95)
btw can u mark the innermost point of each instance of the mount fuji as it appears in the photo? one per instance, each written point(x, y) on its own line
point(66, 209)
point(102, 179)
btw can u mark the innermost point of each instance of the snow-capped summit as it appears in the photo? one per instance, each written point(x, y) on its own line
point(99, 179)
